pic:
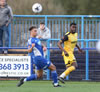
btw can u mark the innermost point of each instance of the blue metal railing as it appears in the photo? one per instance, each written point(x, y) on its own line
point(88, 27)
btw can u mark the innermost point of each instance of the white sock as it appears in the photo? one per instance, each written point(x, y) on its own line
point(55, 84)
point(25, 80)
point(62, 75)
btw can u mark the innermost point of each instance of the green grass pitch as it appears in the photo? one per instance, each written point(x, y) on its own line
point(46, 86)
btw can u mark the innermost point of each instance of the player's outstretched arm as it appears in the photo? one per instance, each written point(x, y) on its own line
point(79, 49)
point(30, 49)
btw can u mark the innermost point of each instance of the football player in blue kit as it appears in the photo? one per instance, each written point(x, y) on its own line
point(35, 50)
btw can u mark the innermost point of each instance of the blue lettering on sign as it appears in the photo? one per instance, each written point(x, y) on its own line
point(14, 66)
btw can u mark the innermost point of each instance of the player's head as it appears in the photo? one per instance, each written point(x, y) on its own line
point(33, 31)
point(3, 2)
point(73, 28)
point(42, 25)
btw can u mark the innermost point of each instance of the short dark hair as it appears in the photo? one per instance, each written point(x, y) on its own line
point(32, 27)
point(73, 24)
point(42, 23)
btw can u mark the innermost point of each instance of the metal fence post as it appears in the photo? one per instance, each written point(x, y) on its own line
point(87, 61)
point(82, 31)
point(48, 58)
point(9, 28)
point(67, 77)
point(46, 21)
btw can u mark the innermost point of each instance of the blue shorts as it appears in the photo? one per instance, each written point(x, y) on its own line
point(41, 63)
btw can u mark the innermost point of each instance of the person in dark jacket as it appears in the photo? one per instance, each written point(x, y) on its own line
point(6, 15)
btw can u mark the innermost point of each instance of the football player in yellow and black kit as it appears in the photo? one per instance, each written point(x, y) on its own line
point(70, 42)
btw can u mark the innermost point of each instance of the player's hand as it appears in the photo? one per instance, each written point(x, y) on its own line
point(44, 48)
point(66, 54)
point(33, 45)
point(80, 51)
point(7, 24)
point(39, 36)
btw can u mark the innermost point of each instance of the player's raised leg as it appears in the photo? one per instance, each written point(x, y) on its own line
point(30, 78)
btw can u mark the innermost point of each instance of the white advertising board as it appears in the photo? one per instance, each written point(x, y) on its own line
point(15, 66)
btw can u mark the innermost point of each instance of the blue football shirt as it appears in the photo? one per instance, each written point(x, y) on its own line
point(37, 50)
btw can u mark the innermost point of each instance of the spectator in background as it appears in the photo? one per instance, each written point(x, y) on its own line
point(6, 16)
point(43, 33)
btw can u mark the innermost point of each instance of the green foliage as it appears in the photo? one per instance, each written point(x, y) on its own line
point(60, 7)
point(81, 7)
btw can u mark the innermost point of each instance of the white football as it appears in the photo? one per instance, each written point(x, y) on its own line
point(37, 8)
point(98, 46)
